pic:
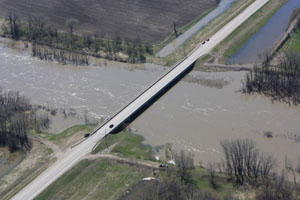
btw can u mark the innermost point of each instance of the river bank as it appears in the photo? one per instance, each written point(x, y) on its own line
point(269, 38)
point(210, 28)
point(241, 36)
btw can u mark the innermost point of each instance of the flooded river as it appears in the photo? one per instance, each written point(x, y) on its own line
point(195, 115)
point(267, 36)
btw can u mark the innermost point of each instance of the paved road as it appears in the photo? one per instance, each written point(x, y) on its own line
point(74, 155)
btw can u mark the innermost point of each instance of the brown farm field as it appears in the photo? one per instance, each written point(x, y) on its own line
point(148, 20)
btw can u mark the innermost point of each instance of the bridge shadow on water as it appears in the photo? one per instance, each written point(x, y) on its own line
point(151, 101)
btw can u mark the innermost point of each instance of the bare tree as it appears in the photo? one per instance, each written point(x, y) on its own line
point(169, 152)
point(290, 168)
point(175, 29)
point(86, 117)
point(190, 191)
point(281, 81)
point(14, 121)
point(298, 166)
point(244, 162)
point(212, 175)
point(71, 24)
point(170, 189)
point(276, 188)
point(208, 196)
point(184, 163)
point(14, 26)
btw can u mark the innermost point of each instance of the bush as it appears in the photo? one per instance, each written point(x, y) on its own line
point(268, 134)
point(276, 188)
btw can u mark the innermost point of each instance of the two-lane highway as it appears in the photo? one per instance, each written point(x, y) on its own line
point(74, 155)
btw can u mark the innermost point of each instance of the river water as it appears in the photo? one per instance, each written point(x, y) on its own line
point(194, 115)
point(222, 7)
point(266, 37)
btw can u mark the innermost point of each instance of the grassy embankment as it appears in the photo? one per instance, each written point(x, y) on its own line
point(126, 145)
point(108, 179)
point(201, 178)
point(70, 135)
point(235, 41)
point(293, 43)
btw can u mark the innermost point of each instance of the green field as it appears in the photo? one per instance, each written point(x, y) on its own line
point(293, 43)
point(108, 179)
point(94, 179)
point(201, 179)
point(126, 145)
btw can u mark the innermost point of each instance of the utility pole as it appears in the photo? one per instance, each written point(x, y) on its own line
point(175, 29)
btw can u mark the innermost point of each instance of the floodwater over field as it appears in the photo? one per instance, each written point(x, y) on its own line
point(195, 115)
point(222, 7)
point(99, 90)
point(267, 36)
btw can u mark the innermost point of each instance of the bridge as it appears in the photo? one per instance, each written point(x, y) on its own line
point(132, 109)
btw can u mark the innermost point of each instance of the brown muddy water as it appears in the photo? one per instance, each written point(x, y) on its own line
point(195, 115)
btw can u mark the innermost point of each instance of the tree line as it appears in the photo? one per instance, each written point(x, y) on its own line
point(244, 166)
point(16, 118)
point(35, 30)
point(281, 82)
point(61, 56)
point(14, 121)
point(244, 163)
point(178, 182)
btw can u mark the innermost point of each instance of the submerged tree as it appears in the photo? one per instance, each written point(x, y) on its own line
point(14, 27)
point(281, 82)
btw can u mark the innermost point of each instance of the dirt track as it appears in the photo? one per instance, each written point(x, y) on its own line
point(133, 161)
point(149, 20)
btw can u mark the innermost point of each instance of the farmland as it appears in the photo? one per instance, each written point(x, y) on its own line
point(150, 21)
